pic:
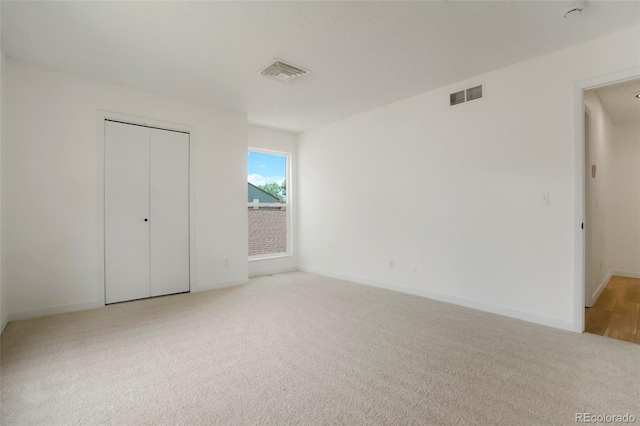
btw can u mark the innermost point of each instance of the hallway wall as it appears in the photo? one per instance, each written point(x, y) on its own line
point(598, 235)
point(625, 199)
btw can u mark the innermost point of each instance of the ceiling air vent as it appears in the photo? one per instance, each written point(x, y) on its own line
point(282, 71)
point(465, 96)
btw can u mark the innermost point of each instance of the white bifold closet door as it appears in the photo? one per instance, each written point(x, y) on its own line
point(169, 207)
point(146, 212)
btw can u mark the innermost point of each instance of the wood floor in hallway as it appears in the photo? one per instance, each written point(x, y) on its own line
point(616, 313)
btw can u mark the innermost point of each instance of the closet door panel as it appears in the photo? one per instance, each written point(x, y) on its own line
point(126, 201)
point(169, 212)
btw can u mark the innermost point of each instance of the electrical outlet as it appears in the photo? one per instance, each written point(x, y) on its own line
point(226, 263)
point(544, 198)
point(392, 264)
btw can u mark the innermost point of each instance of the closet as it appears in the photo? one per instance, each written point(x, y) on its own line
point(146, 212)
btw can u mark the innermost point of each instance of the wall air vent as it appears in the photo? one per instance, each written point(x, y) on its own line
point(465, 95)
point(456, 98)
point(282, 71)
point(474, 93)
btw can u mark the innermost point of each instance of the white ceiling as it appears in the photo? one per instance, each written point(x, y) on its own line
point(620, 101)
point(362, 54)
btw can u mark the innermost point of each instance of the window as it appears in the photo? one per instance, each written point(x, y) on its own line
point(268, 203)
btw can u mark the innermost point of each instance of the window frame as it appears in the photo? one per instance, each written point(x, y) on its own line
point(287, 204)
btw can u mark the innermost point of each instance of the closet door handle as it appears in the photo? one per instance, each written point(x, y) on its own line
point(146, 220)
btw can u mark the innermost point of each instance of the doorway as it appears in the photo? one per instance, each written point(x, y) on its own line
point(612, 210)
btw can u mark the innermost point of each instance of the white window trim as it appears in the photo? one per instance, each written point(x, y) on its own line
point(288, 205)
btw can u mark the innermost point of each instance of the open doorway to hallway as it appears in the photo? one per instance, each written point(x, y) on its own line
point(612, 207)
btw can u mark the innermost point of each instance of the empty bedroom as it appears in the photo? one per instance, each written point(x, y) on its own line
point(313, 212)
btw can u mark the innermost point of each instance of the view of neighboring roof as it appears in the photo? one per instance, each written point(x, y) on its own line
point(261, 195)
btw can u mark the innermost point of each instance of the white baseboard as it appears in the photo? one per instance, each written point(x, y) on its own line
point(627, 274)
point(3, 323)
point(598, 291)
point(224, 284)
point(16, 316)
point(468, 303)
point(264, 272)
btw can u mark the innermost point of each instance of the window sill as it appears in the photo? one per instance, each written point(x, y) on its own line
point(269, 256)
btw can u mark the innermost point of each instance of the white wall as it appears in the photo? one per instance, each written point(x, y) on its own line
point(263, 138)
point(3, 310)
point(451, 194)
point(625, 199)
point(598, 220)
point(50, 186)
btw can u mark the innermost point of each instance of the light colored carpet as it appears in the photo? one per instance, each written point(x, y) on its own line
point(299, 348)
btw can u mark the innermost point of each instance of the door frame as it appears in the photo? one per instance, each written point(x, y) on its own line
point(588, 219)
point(580, 174)
point(159, 124)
